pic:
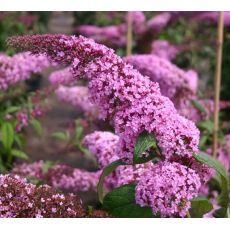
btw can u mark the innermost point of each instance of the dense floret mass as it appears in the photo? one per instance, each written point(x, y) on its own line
point(60, 176)
point(103, 146)
point(20, 67)
point(18, 198)
point(61, 77)
point(121, 92)
point(168, 189)
point(78, 96)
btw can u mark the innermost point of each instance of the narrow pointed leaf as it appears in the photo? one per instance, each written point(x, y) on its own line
point(7, 132)
point(223, 198)
point(19, 154)
point(145, 141)
point(106, 171)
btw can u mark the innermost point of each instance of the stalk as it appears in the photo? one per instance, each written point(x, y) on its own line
point(217, 82)
point(129, 35)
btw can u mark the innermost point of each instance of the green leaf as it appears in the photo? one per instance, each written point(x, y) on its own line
point(2, 166)
point(46, 166)
point(60, 135)
point(199, 106)
point(120, 202)
point(78, 132)
point(106, 171)
point(86, 152)
point(200, 206)
point(19, 154)
point(34, 180)
point(18, 141)
point(203, 141)
point(206, 125)
point(7, 136)
point(221, 213)
point(12, 109)
point(213, 163)
point(37, 126)
point(145, 141)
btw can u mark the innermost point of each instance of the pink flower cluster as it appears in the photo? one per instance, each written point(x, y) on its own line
point(30, 170)
point(168, 188)
point(194, 114)
point(20, 67)
point(61, 77)
point(213, 17)
point(60, 176)
point(121, 92)
point(68, 178)
point(138, 21)
point(37, 107)
point(18, 198)
point(134, 103)
point(174, 83)
point(114, 35)
point(28, 20)
point(163, 49)
point(22, 119)
point(111, 35)
point(158, 22)
point(103, 146)
point(77, 96)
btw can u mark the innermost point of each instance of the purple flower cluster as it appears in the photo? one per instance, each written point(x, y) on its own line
point(192, 113)
point(138, 20)
point(127, 174)
point(111, 35)
point(18, 198)
point(61, 77)
point(121, 92)
point(77, 96)
point(114, 35)
point(33, 170)
point(103, 146)
point(28, 20)
point(134, 103)
point(163, 49)
point(60, 176)
point(20, 67)
point(174, 83)
point(158, 22)
point(168, 188)
point(22, 119)
point(68, 178)
point(213, 17)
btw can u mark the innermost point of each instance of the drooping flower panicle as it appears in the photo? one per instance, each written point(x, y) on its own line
point(122, 93)
point(20, 67)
